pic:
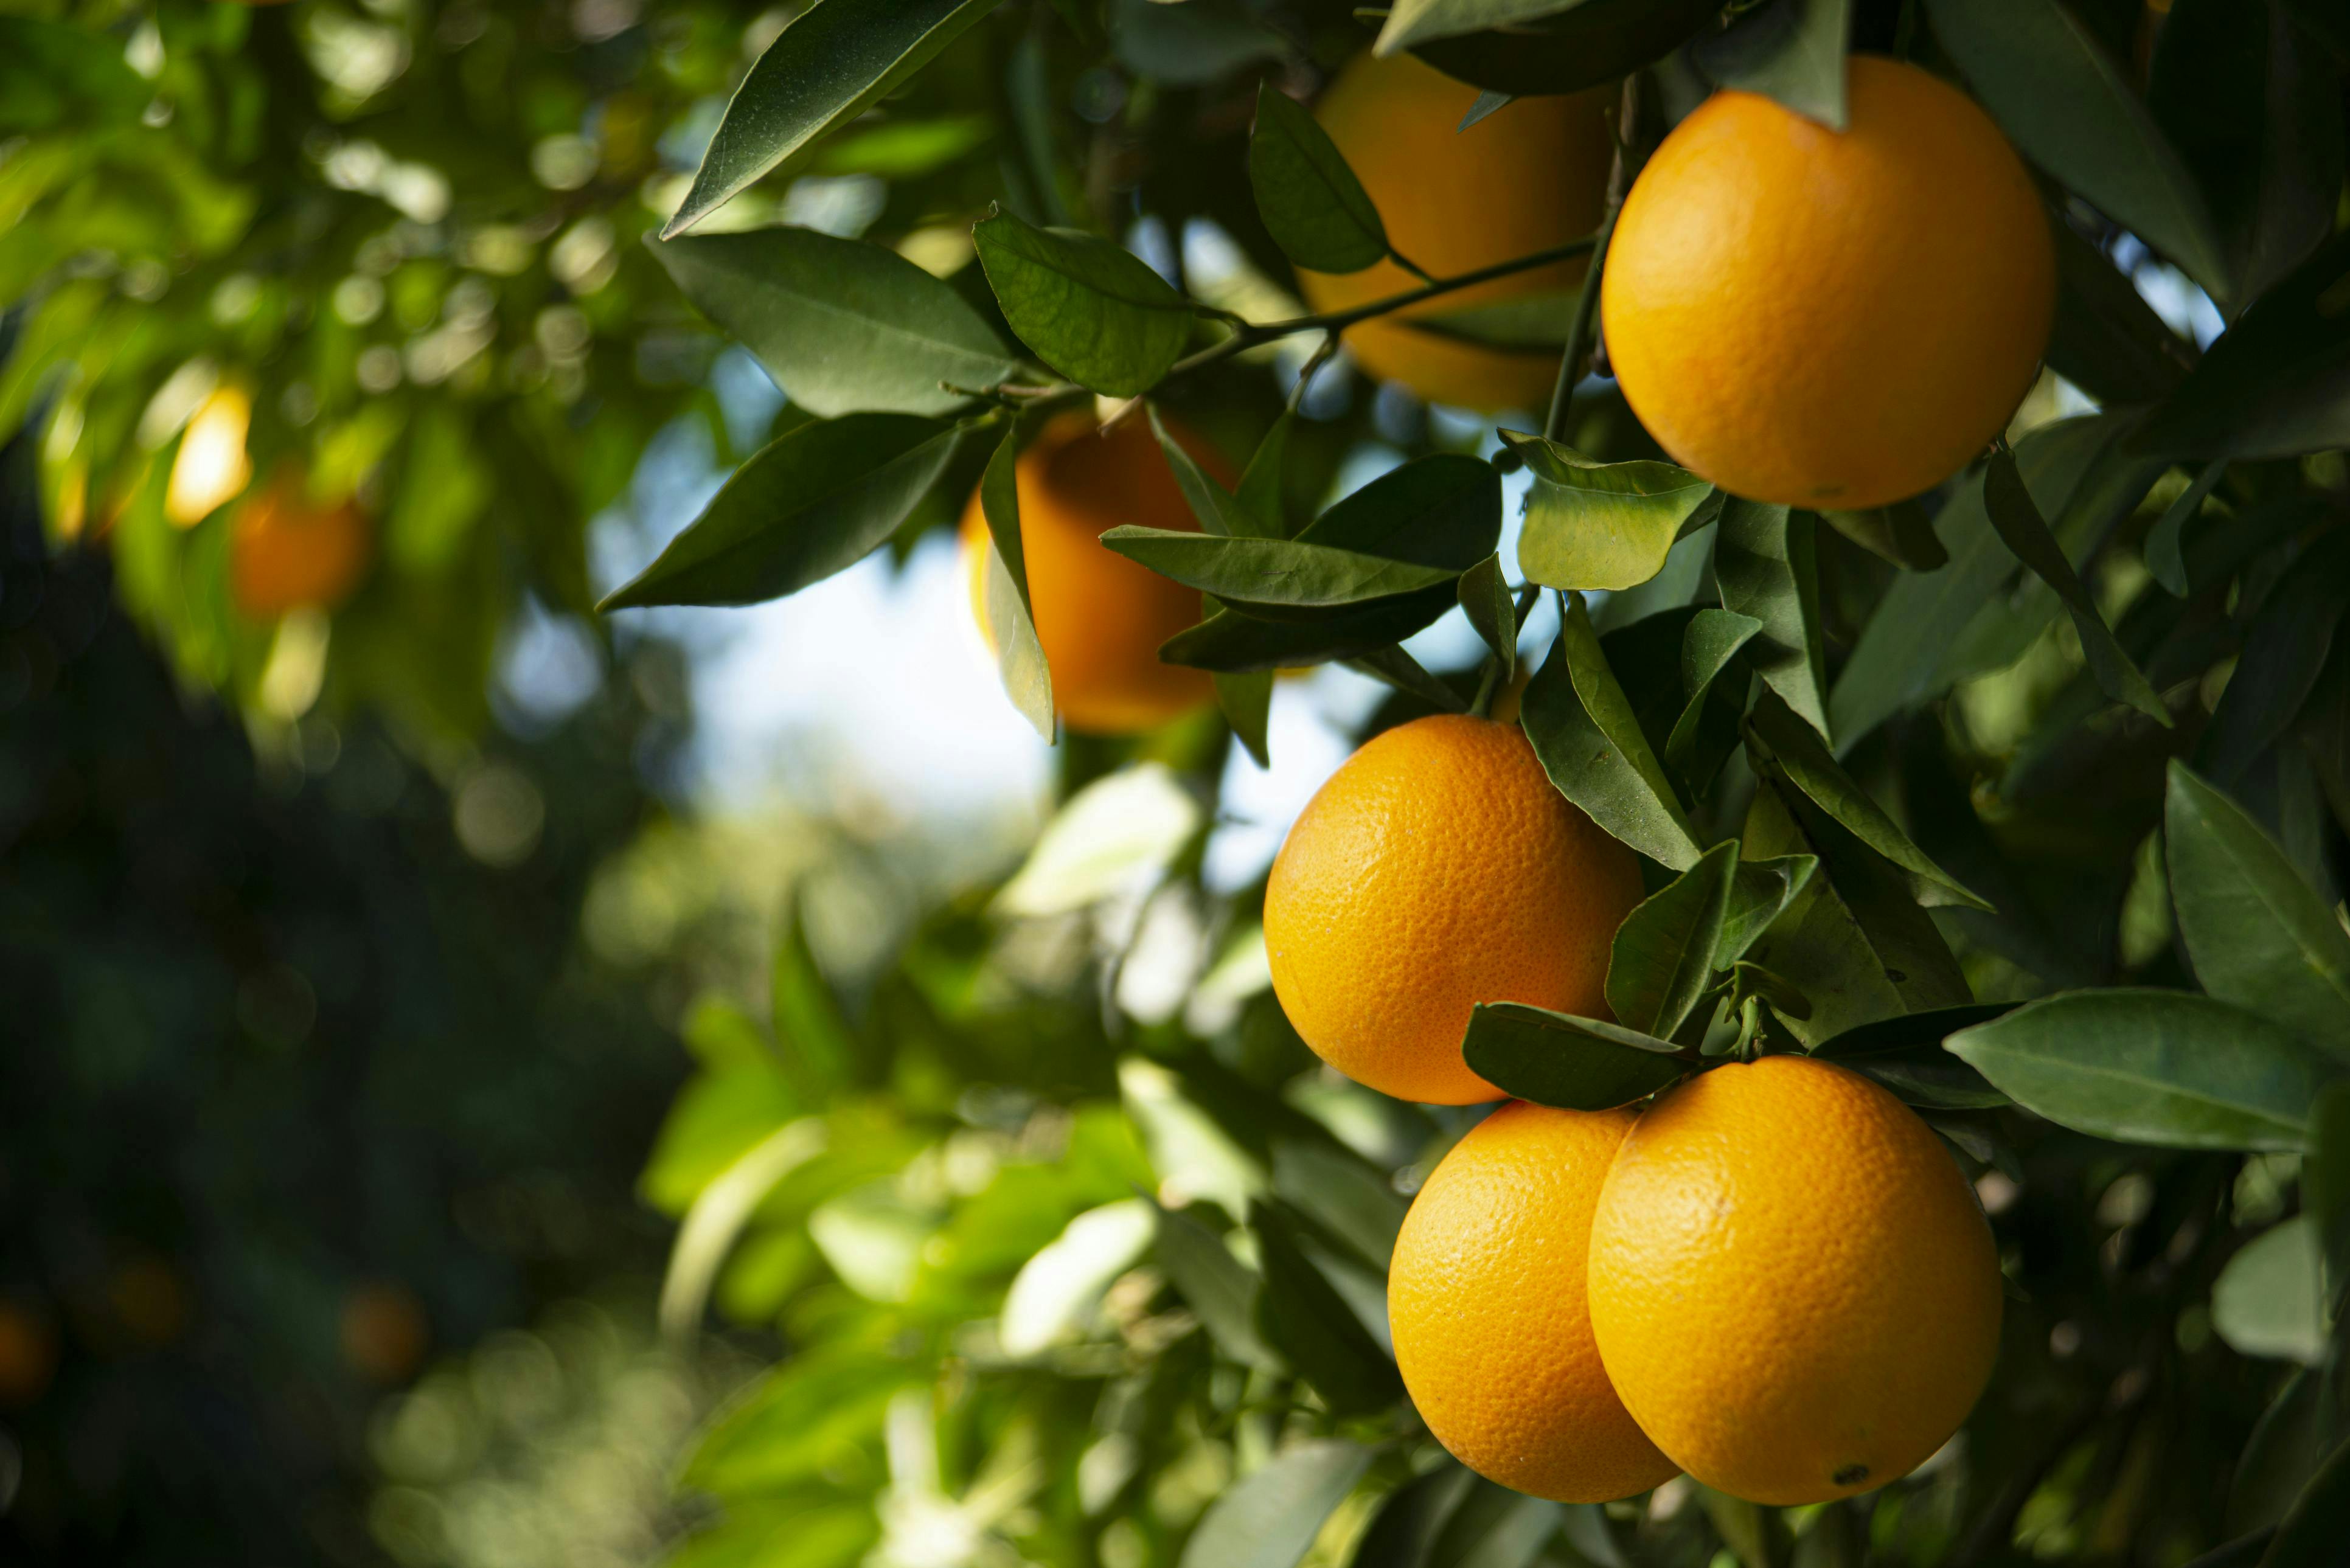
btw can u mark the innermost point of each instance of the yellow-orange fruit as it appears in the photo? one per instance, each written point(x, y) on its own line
point(1436, 869)
point(29, 1355)
point(1792, 1285)
point(1825, 319)
point(1485, 1298)
point(1099, 616)
point(289, 554)
point(1530, 176)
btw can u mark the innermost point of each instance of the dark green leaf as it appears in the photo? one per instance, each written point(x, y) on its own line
point(2277, 382)
point(1905, 1054)
point(1246, 698)
point(1707, 731)
point(2160, 1067)
point(2069, 106)
point(1557, 1059)
point(1760, 892)
point(810, 503)
point(1765, 559)
point(1307, 1320)
point(2257, 934)
point(1404, 1530)
point(1231, 642)
point(1221, 1289)
point(1808, 764)
point(2107, 340)
point(1188, 45)
point(2285, 653)
point(1524, 321)
point(1602, 525)
point(843, 326)
point(1342, 1193)
point(1011, 617)
point(829, 64)
point(1211, 503)
point(1312, 205)
point(2288, 1444)
point(1596, 42)
point(1900, 534)
point(1590, 743)
point(1791, 51)
point(2312, 1532)
point(1268, 576)
point(1414, 22)
point(54, 76)
point(1901, 1035)
point(1260, 492)
point(1663, 958)
point(1270, 1516)
point(2163, 558)
point(1091, 310)
point(2326, 1186)
point(1443, 510)
point(1495, 1528)
point(1485, 600)
point(2017, 518)
point(1406, 674)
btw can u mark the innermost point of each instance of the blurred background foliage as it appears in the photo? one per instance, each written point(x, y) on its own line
point(385, 1008)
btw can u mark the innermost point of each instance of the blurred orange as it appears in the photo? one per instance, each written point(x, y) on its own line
point(289, 554)
point(383, 1332)
point(28, 1354)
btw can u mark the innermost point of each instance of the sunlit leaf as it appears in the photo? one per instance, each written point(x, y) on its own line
point(1094, 312)
point(1602, 525)
point(2268, 1301)
point(1011, 617)
point(1271, 1514)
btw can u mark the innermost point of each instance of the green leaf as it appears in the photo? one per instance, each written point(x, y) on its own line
point(1267, 576)
point(1558, 1059)
point(2163, 558)
point(1269, 1517)
point(2017, 518)
point(1221, 1289)
point(1091, 310)
point(813, 1040)
point(1342, 1193)
point(1807, 764)
point(1765, 559)
point(2069, 106)
point(1406, 674)
point(1190, 45)
point(1763, 890)
point(843, 326)
point(2257, 935)
point(1663, 958)
point(1219, 514)
point(1900, 534)
point(1441, 510)
point(1602, 525)
point(54, 76)
point(1312, 205)
point(829, 64)
point(2285, 653)
point(2160, 1067)
point(1710, 646)
point(1589, 741)
point(1011, 617)
point(2277, 382)
point(1414, 22)
point(1229, 642)
point(1261, 492)
point(1525, 321)
point(1307, 1320)
point(2312, 1532)
point(810, 503)
point(797, 1419)
point(1246, 698)
point(1495, 1528)
point(2326, 1186)
point(1493, 613)
point(2106, 339)
point(1792, 51)
point(2268, 1302)
point(1595, 42)
point(2287, 1445)
point(1905, 1054)
point(1412, 1518)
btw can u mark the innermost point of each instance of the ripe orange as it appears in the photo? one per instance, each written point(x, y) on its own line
point(1793, 1286)
point(1824, 319)
point(1436, 869)
point(29, 1355)
point(1485, 1297)
point(1101, 617)
point(1529, 176)
point(289, 554)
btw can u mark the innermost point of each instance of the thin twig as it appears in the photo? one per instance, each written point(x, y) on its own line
point(1620, 170)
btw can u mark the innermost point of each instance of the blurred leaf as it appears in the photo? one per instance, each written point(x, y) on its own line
point(1900, 534)
point(789, 1535)
point(2013, 513)
point(2160, 1067)
point(1090, 309)
point(1271, 1515)
point(1246, 698)
point(796, 1420)
point(1809, 765)
point(810, 503)
point(1493, 613)
point(1411, 1519)
point(2070, 106)
point(2267, 1301)
point(2285, 651)
point(718, 1213)
point(1011, 617)
point(1525, 321)
point(1765, 558)
point(1494, 1527)
point(1346, 1195)
point(2291, 1440)
point(2276, 383)
point(2325, 1187)
point(1595, 42)
point(1663, 958)
point(1198, 42)
point(812, 1039)
point(843, 326)
point(1111, 837)
point(444, 486)
point(1792, 51)
point(1218, 512)
point(1221, 1289)
point(1590, 743)
point(1417, 21)
point(1312, 205)
point(1260, 492)
point(829, 64)
point(1317, 1332)
point(53, 75)
point(1558, 1059)
point(1905, 1054)
point(1602, 525)
point(2257, 934)
point(1059, 1288)
point(2162, 553)
point(2312, 1532)
point(2107, 339)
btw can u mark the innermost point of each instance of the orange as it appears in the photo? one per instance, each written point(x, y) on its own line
point(1824, 319)
point(289, 554)
point(1527, 176)
point(1436, 869)
point(1101, 617)
point(1485, 1298)
point(1793, 1286)
point(29, 1355)
point(383, 1332)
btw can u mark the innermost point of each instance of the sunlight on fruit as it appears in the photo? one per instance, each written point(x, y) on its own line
point(211, 467)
